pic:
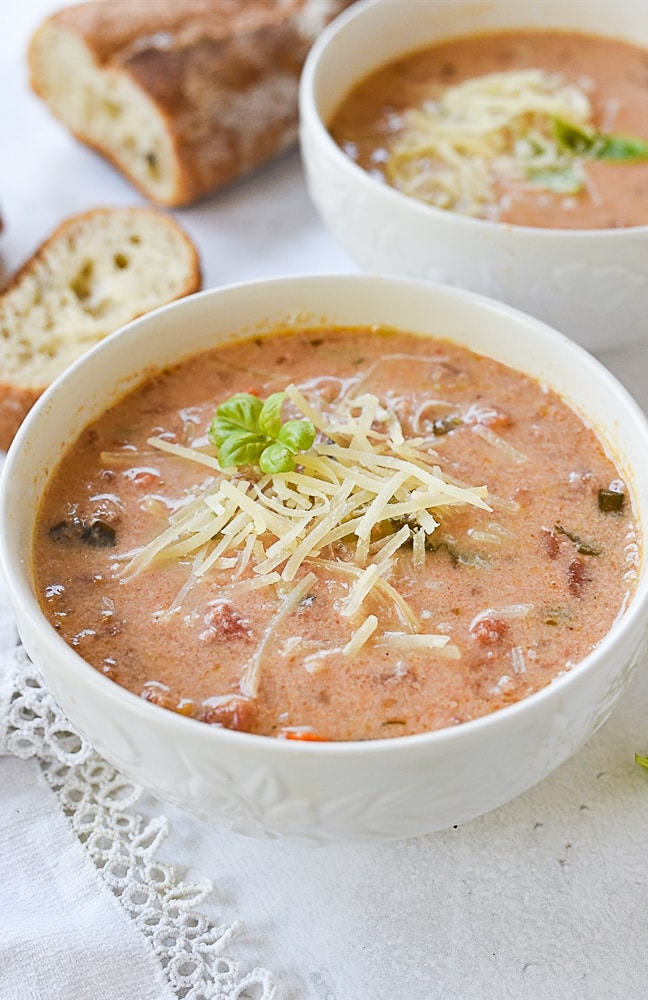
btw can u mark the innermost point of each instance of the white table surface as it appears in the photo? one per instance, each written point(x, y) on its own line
point(546, 897)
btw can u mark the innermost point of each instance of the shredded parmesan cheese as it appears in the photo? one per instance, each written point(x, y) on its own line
point(393, 543)
point(438, 643)
point(453, 149)
point(252, 673)
point(183, 452)
point(343, 489)
point(510, 611)
point(418, 547)
point(361, 588)
point(506, 449)
point(517, 659)
point(368, 627)
point(382, 589)
point(360, 479)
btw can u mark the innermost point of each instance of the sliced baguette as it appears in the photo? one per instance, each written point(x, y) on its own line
point(183, 96)
point(96, 272)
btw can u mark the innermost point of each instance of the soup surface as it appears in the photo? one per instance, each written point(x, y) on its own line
point(453, 540)
point(536, 128)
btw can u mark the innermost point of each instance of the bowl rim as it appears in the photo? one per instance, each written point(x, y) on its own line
point(311, 120)
point(21, 593)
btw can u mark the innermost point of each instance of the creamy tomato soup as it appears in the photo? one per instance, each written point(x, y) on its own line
point(537, 128)
point(451, 538)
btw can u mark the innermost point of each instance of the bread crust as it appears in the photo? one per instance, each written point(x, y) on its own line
point(15, 404)
point(31, 265)
point(222, 75)
point(16, 400)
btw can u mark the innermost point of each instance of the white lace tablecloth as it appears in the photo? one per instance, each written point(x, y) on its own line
point(105, 893)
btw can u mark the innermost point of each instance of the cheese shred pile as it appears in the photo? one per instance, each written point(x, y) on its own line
point(451, 152)
point(361, 482)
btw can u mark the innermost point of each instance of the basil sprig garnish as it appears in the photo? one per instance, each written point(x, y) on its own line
point(582, 141)
point(249, 431)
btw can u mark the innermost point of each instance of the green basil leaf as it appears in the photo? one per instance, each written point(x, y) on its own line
point(561, 180)
point(276, 458)
point(297, 435)
point(241, 448)
point(270, 416)
point(240, 413)
point(573, 139)
point(583, 141)
point(620, 148)
point(247, 431)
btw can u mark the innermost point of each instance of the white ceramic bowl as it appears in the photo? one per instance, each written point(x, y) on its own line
point(592, 285)
point(322, 792)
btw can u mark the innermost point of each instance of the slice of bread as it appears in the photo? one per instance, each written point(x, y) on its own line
point(96, 272)
point(183, 96)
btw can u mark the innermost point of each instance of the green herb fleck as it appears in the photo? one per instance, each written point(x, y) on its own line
point(583, 141)
point(443, 425)
point(610, 500)
point(641, 760)
point(247, 431)
point(584, 547)
point(558, 616)
point(565, 179)
point(620, 149)
point(580, 142)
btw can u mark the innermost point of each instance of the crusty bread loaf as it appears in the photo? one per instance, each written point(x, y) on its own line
point(182, 96)
point(96, 272)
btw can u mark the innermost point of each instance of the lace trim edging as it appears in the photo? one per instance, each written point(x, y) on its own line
point(100, 805)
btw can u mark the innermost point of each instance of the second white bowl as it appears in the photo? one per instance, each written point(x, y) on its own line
point(591, 284)
point(322, 792)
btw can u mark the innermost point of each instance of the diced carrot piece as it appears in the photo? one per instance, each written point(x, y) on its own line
point(301, 734)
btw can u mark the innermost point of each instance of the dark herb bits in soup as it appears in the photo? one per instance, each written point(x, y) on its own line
point(536, 128)
point(336, 534)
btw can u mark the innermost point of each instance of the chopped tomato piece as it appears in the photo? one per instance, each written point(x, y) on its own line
point(551, 543)
point(489, 630)
point(158, 694)
point(301, 734)
point(230, 713)
point(223, 620)
point(577, 577)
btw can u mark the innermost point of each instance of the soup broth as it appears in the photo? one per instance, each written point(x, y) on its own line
point(454, 539)
point(422, 124)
